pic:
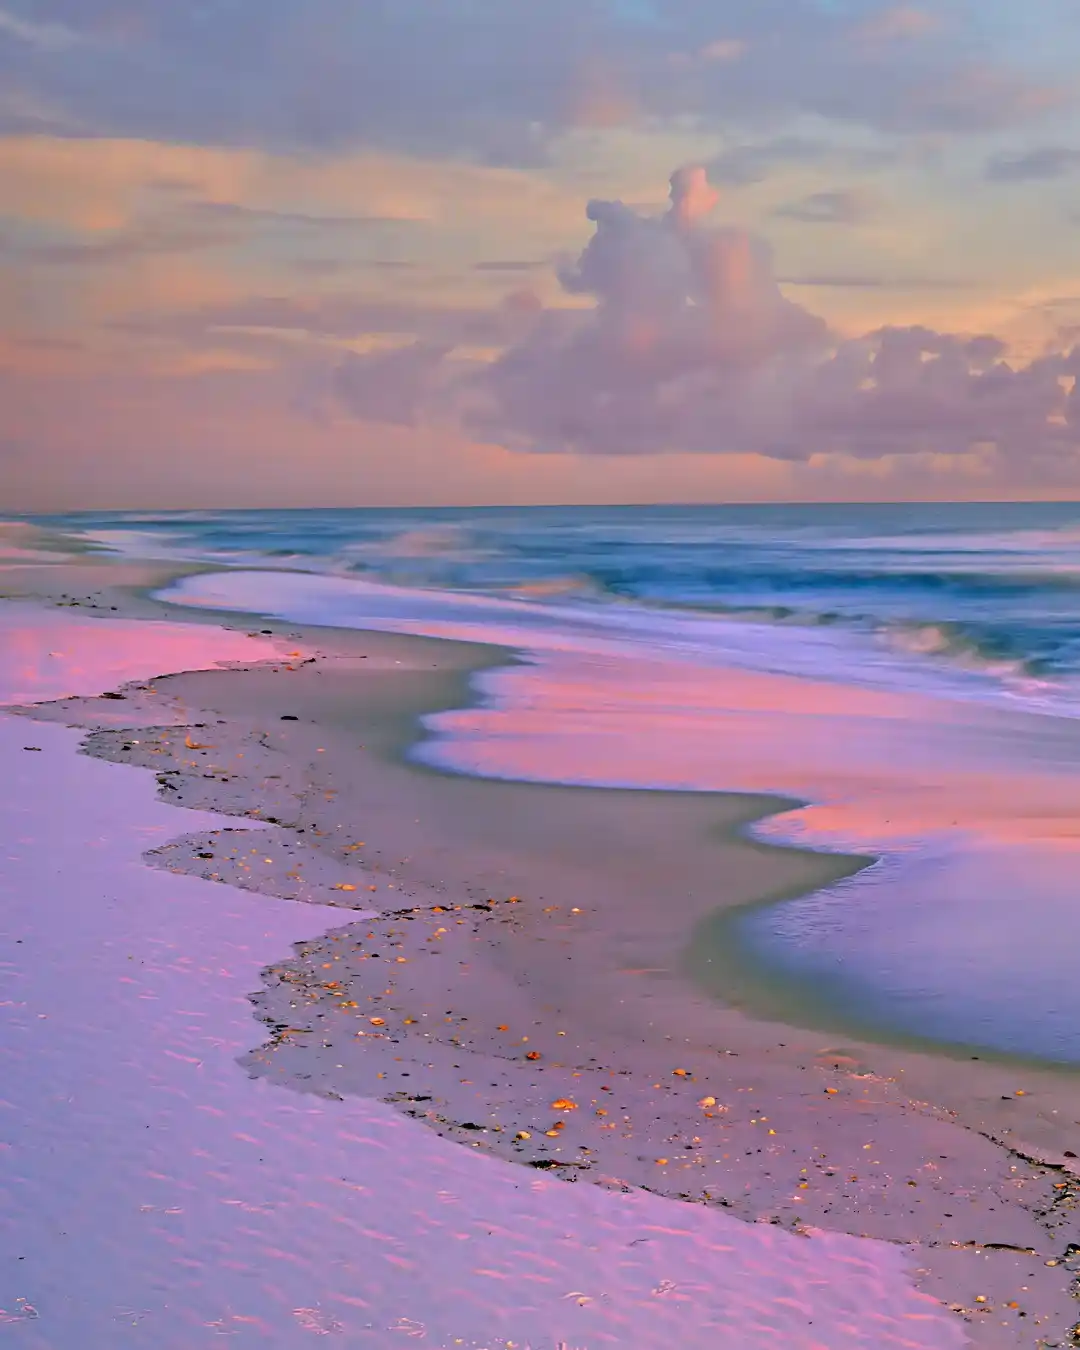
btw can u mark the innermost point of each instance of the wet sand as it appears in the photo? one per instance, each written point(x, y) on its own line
point(514, 974)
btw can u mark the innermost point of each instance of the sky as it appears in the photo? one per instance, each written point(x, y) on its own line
point(392, 252)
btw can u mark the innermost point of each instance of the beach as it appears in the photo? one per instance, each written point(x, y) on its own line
point(539, 675)
point(515, 964)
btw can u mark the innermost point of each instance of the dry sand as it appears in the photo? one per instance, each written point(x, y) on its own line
point(515, 976)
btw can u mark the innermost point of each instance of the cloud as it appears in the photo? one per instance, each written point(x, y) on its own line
point(94, 185)
point(684, 315)
point(827, 208)
point(392, 387)
point(496, 82)
point(1043, 162)
point(692, 347)
point(678, 307)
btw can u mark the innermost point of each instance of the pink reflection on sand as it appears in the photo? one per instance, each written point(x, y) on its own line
point(881, 769)
point(974, 811)
point(48, 656)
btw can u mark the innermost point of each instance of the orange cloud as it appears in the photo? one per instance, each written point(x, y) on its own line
point(100, 184)
point(121, 198)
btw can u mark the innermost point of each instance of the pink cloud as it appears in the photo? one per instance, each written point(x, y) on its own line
point(693, 346)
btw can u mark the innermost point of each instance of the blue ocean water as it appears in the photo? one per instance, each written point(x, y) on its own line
point(993, 588)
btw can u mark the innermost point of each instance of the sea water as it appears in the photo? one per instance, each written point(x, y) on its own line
point(984, 586)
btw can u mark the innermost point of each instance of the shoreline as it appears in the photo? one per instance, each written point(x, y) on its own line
point(773, 994)
point(217, 1205)
point(928, 786)
point(858, 1090)
point(467, 659)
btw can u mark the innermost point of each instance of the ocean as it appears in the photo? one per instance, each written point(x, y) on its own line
point(992, 590)
point(908, 677)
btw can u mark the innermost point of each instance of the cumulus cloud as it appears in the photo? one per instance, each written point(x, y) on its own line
point(678, 306)
point(680, 338)
point(692, 346)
